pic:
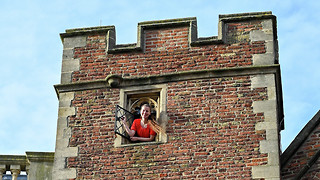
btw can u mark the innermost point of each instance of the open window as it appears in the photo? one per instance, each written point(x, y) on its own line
point(131, 99)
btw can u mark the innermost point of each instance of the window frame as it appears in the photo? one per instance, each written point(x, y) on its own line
point(125, 92)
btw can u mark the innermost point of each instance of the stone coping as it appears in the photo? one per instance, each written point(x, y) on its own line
point(24, 160)
point(9, 160)
point(246, 16)
point(40, 156)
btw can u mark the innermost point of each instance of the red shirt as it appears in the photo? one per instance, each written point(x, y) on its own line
point(142, 132)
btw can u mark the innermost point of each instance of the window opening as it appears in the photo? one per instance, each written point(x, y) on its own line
point(131, 100)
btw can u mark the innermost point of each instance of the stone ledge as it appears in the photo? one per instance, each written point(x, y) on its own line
point(9, 160)
point(181, 76)
point(25, 160)
point(166, 78)
point(40, 156)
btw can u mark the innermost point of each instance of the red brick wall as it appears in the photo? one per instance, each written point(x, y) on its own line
point(211, 132)
point(167, 39)
point(302, 156)
point(167, 51)
point(313, 172)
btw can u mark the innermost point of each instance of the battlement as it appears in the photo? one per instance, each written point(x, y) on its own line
point(191, 36)
point(243, 40)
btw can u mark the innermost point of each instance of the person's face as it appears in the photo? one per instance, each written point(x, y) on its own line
point(145, 112)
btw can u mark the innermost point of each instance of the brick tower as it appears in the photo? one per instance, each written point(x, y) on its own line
point(218, 99)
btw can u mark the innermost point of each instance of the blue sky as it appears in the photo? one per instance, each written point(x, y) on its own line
point(31, 54)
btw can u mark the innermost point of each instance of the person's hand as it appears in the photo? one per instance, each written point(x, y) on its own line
point(134, 138)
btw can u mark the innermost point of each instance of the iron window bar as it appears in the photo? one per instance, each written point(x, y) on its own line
point(120, 113)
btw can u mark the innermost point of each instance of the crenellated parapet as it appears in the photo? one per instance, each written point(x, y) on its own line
point(243, 40)
point(225, 32)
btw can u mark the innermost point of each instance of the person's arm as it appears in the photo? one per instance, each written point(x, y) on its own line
point(151, 138)
point(126, 127)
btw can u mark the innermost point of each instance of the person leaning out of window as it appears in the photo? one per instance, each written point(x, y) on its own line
point(144, 128)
